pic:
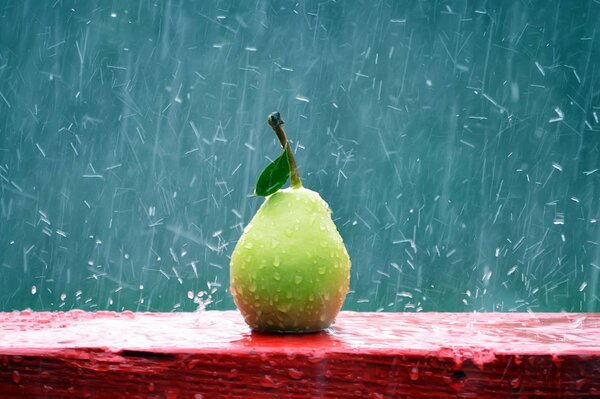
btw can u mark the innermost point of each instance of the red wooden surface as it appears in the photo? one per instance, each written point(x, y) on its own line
point(364, 355)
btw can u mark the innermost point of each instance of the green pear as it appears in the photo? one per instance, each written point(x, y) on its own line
point(290, 270)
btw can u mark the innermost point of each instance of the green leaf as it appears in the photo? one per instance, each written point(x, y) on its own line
point(274, 176)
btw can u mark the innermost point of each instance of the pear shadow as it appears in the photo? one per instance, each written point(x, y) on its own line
point(325, 339)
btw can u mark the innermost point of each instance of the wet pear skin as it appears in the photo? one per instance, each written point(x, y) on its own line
point(290, 270)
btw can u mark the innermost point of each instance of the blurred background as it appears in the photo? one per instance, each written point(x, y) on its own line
point(457, 143)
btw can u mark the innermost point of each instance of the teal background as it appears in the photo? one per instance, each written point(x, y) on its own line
point(457, 143)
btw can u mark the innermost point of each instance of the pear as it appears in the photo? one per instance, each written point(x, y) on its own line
point(290, 270)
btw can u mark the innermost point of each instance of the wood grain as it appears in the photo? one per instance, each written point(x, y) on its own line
point(365, 355)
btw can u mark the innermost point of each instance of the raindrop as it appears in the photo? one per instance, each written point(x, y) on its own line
point(413, 374)
point(284, 308)
point(268, 382)
point(295, 374)
point(16, 377)
point(515, 382)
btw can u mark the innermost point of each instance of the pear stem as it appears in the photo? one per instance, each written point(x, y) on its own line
point(276, 123)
